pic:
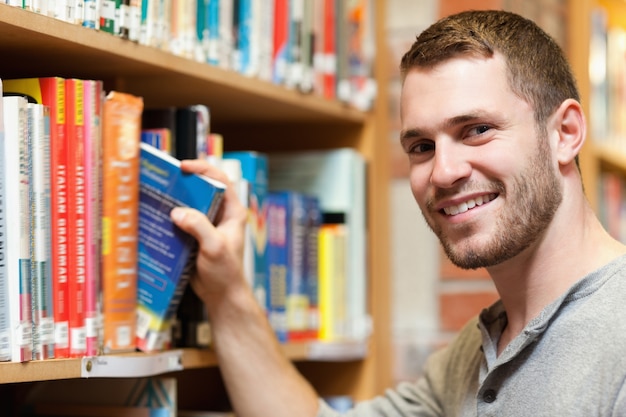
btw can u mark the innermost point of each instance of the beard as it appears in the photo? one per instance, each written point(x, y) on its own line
point(533, 198)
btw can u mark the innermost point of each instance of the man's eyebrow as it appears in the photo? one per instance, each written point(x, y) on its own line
point(447, 124)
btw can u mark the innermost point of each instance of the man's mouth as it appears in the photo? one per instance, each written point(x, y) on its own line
point(469, 204)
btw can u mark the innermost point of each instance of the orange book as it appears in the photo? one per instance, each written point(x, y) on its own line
point(76, 183)
point(120, 207)
point(50, 91)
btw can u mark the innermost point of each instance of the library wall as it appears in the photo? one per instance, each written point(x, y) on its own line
point(433, 299)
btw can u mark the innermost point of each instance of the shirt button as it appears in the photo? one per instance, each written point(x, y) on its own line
point(489, 396)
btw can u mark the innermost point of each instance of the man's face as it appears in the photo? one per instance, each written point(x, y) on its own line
point(487, 183)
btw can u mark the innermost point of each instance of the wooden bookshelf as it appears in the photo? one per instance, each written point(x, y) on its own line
point(598, 154)
point(251, 114)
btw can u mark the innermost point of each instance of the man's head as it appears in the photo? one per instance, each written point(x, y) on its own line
point(492, 126)
point(537, 70)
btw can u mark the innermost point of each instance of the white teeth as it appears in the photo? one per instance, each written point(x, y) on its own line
point(468, 205)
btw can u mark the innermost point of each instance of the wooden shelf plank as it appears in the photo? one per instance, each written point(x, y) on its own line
point(141, 364)
point(36, 45)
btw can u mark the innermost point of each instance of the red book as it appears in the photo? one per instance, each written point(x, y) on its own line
point(279, 58)
point(330, 49)
point(50, 91)
point(76, 182)
point(92, 92)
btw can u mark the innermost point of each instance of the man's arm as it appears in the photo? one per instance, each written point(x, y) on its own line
point(260, 381)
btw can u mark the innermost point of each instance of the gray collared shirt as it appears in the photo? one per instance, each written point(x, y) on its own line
point(569, 361)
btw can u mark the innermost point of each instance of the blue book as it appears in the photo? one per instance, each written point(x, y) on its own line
point(166, 253)
point(286, 248)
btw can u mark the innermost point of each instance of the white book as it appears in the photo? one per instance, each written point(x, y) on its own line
point(14, 153)
point(227, 44)
point(5, 312)
point(41, 280)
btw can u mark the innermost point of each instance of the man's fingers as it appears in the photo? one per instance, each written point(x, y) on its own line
point(192, 221)
point(199, 166)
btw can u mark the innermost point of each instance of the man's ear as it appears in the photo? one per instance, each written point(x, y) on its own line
point(569, 122)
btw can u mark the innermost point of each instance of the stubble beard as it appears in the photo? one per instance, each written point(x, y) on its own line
point(533, 200)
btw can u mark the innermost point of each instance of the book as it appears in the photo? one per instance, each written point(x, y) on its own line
point(254, 167)
point(280, 45)
point(226, 33)
point(333, 318)
point(91, 14)
point(337, 177)
point(50, 91)
point(76, 182)
point(311, 265)
point(192, 130)
point(16, 184)
point(166, 253)
point(41, 277)
point(295, 19)
point(329, 54)
point(211, 32)
point(266, 39)
point(5, 311)
point(286, 246)
point(192, 135)
point(120, 216)
point(93, 95)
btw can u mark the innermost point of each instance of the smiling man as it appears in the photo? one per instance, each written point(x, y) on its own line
point(492, 126)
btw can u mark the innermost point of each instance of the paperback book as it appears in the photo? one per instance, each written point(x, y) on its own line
point(166, 253)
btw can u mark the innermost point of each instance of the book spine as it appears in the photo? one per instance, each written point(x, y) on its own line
point(212, 29)
point(277, 262)
point(254, 168)
point(266, 39)
point(279, 57)
point(135, 8)
point(91, 15)
point(227, 38)
point(120, 165)
point(294, 43)
point(92, 92)
point(201, 39)
point(18, 231)
point(306, 42)
point(311, 265)
point(332, 282)
point(5, 312)
point(329, 60)
point(41, 292)
point(297, 297)
point(76, 214)
point(53, 95)
point(319, 20)
point(342, 22)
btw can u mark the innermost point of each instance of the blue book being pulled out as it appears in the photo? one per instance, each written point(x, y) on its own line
point(166, 253)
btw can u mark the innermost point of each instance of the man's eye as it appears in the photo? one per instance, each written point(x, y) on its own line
point(422, 147)
point(478, 130)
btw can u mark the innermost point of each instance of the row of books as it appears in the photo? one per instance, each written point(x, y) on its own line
point(607, 72)
point(69, 203)
point(324, 47)
point(92, 263)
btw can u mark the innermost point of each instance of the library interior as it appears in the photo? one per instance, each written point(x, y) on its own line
point(297, 102)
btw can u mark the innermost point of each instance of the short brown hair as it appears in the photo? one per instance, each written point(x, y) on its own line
point(537, 70)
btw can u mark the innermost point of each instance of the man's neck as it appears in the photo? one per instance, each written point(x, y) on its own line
point(538, 276)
